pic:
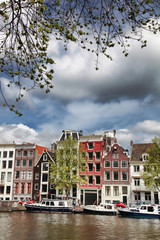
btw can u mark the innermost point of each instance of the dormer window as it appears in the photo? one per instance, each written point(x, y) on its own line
point(145, 157)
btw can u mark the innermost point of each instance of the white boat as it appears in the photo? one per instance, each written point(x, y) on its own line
point(143, 211)
point(103, 209)
point(51, 206)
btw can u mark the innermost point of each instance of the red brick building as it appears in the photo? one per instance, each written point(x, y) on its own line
point(26, 156)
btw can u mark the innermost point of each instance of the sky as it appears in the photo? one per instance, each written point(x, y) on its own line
point(124, 94)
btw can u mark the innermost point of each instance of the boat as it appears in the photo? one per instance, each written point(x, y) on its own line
point(103, 209)
point(143, 211)
point(51, 206)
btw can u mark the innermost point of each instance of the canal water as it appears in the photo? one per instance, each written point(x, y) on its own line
point(42, 226)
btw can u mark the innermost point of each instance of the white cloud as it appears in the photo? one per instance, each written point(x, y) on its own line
point(149, 127)
point(48, 134)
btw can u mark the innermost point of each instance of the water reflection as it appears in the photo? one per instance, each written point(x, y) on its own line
point(38, 226)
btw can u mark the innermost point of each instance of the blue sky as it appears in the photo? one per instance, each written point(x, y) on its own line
point(124, 94)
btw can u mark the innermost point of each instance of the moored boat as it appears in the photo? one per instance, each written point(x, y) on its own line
point(143, 211)
point(103, 209)
point(51, 206)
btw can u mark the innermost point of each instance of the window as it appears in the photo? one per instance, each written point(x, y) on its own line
point(61, 204)
point(8, 189)
point(115, 176)
point(18, 153)
point(98, 180)
point(124, 190)
point(44, 188)
point(136, 168)
point(146, 169)
point(90, 180)
point(98, 155)
point(90, 155)
point(23, 174)
point(44, 177)
point(124, 164)
point(60, 191)
point(51, 186)
point(147, 196)
point(4, 154)
point(30, 163)
point(107, 176)
point(28, 188)
point(90, 167)
point(145, 156)
point(17, 163)
point(16, 174)
point(98, 167)
point(107, 164)
point(1, 191)
point(137, 196)
point(36, 186)
point(10, 154)
point(83, 167)
point(83, 155)
point(107, 190)
point(24, 163)
point(83, 180)
point(45, 157)
point(36, 176)
point(124, 176)
point(137, 182)
point(31, 153)
point(9, 164)
point(16, 188)
point(25, 153)
point(115, 155)
point(115, 164)
point(29, 175)
point(22, 188)
point(45, 166)
point(3, 176)
point(3, 164)
point(115, 190)
point(90, 145)
point(9, 175)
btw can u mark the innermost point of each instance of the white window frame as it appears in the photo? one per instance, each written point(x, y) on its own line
point(122, 175)
point(105, 176)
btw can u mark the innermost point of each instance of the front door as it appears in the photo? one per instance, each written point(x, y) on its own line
point(125, 199)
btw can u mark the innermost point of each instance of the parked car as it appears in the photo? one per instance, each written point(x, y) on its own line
point(119, 204)
point(27, 201)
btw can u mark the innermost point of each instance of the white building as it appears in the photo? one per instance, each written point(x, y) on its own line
point(139, 192)
point(7, 155)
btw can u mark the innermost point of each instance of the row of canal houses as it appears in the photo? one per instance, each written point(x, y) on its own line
point(111, 173)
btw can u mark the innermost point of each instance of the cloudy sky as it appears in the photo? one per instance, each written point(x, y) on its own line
point(124, 94)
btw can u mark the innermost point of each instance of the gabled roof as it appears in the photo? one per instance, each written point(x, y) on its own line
point(138, 150)
point(50, 154)
point(116, 148)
